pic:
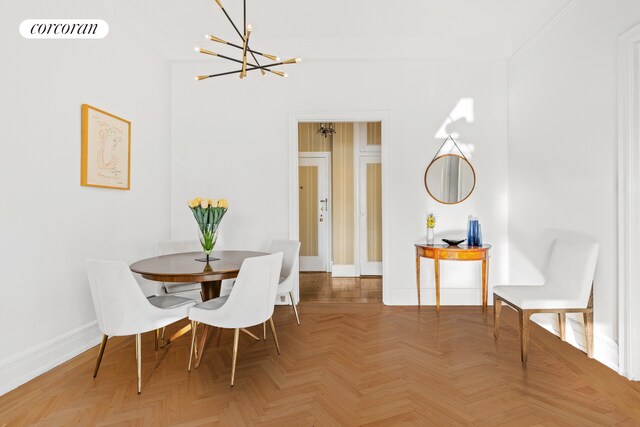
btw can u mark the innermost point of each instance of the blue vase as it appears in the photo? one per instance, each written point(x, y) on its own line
point(472, 233)
point(479, 237)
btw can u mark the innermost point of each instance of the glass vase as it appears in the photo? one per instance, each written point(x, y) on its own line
point(208, 235)
point(430, 237)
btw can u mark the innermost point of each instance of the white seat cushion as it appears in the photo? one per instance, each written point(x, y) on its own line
point(538, 297)
point(174, 288)
point(212, 304)
point(169, 301)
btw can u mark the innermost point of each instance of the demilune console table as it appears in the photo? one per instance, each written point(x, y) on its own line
point(453, 253)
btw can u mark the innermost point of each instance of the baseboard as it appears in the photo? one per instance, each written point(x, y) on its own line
point(448, 296)
point(343, 270)
point(44, 357)
point(605, 350)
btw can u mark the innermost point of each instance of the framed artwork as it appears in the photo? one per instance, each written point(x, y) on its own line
point(106, 150)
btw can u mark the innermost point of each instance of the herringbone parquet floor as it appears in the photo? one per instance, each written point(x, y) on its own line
point(321, 287)
point(348, 364)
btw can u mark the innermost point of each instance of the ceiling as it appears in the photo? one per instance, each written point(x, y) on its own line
point(352, 21)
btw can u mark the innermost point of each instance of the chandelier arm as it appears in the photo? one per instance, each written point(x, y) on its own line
point(219, 40)
point(239, 71)
point(239, 33)
point(228, 58)
point(247, 34)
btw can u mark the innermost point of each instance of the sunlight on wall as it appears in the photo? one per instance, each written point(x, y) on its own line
point(464, 110)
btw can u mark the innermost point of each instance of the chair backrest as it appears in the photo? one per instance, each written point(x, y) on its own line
point(253, 295)
point(291, 252)
point(571, 268)
point(120, 304)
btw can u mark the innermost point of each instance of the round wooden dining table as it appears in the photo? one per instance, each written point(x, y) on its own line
point(188, 267)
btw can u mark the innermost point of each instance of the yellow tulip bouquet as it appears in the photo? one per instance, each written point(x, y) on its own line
point(208, 214)
point(431, 220)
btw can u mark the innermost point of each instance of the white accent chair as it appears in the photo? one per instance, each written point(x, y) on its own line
point(568, 288)
point(289, 272)
point(122, 309)
point(250, 303)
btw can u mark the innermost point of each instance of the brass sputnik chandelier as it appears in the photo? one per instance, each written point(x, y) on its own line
point(245, 48)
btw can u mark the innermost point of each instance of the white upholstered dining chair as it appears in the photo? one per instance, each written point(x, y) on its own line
point(122, 309)
point(250, 303)
point(568, 288)
point(289, 272)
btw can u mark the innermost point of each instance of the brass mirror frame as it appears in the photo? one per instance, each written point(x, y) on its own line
point(429, 167)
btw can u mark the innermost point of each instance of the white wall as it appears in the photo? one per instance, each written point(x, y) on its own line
point(50, 224)
point(230, 139)
point(563, 148)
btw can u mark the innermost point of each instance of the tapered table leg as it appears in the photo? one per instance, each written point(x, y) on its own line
point(418, 276)
point(436, 264)
point(485, 280)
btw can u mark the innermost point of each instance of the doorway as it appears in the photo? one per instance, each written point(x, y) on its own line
point(340, 211)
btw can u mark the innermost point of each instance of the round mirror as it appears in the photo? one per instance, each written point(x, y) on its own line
point(450, 179)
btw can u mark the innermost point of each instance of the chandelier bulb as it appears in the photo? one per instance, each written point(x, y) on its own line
point(197, 49)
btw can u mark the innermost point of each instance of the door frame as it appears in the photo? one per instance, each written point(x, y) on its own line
point(343, 117)
point(327, 157)
point(628, 203)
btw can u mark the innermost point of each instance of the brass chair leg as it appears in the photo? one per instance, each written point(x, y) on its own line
point(139, 357)
point(562, 322)
point(162, 334)
point(295, 310)
point(524, 334)
point(275, 337)
point(236, 336)
point(157, 340)
point(588, 332)
point(497, 308)
point(264, 331)
point(194, 325)
point(103, 345)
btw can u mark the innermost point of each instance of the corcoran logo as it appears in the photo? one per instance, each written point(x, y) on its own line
point(64, 29)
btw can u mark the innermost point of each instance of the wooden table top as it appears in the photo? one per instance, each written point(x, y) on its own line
point(183, 267)
point(461, 247)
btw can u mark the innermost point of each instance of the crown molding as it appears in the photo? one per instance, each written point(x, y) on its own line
point(544, 18)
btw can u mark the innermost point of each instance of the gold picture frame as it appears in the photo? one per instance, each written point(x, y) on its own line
point(106, 150)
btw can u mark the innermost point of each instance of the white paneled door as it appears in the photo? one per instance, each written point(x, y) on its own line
point(370, 215)
point(314, 172)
